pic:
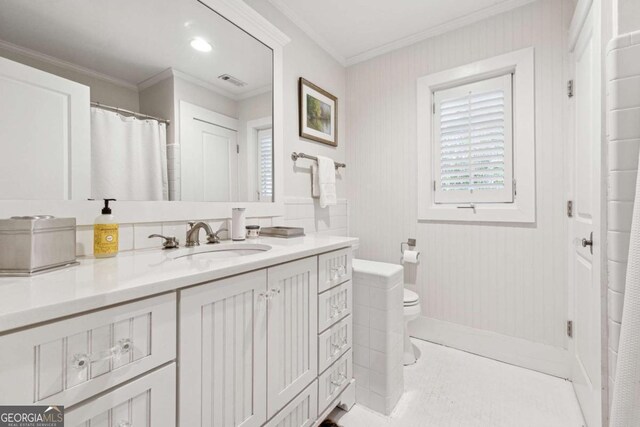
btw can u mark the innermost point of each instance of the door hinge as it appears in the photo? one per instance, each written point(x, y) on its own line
point(433, 109)
point(570, 208)
point(237, 149)
point(570, 88)
point(570, 328)
point(515, 188)
point(434, 186)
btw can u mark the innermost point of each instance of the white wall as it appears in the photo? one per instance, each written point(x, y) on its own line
point(304, 58)
point(509, 280)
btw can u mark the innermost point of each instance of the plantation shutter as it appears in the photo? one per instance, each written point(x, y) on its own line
point(473, 142)
point(265, 164)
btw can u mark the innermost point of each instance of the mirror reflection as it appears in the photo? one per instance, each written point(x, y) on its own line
point(144, 100)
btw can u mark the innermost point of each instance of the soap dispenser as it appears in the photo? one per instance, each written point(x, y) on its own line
point(105, 233)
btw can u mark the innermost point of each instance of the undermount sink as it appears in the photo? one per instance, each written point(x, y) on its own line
point(220, 251)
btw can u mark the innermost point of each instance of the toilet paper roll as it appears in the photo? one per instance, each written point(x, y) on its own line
point(410, 257)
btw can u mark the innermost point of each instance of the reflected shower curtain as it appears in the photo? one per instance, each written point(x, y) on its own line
point(625, 407)
point(128, 157)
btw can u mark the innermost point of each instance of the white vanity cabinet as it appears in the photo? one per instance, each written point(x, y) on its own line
point(292, 323)
point(222, 352)
point(248, 346)
point(263, 348)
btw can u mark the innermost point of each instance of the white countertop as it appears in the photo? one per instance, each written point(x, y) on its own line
point(97, 283)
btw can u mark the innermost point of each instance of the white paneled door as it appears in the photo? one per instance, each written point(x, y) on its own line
point(292, 330)
point(45, 135)
point(209, 155)
point(585, 245)
point(222, 353)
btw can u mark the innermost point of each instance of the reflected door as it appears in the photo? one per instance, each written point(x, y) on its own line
point(209, 156)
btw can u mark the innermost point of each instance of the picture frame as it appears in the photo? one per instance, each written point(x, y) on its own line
point(318, 113)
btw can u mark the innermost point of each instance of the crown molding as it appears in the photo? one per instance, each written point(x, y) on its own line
point(29, 53)
point(446, 27)
point(308, 30)
point(162, 75)
point(400, 43)
point(172, 72)
point(254, 92)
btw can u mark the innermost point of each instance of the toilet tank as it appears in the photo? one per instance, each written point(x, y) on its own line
point(378, 334)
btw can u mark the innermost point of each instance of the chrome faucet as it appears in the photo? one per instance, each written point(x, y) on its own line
point(193, 234)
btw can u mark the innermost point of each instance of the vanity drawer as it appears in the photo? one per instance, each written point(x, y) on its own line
point(67, 361)
point(333, 343)
point(147, 401)
point(334, 268)
point(333, 305)
point(333, 381)
point(300, 412)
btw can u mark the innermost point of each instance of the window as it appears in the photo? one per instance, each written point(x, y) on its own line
point(265, 164)
point(472, 150)
point(476, 141)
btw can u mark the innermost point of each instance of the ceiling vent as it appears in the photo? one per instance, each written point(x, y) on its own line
point(232, 80)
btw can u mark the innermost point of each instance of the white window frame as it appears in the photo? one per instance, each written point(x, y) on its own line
point(521, 64)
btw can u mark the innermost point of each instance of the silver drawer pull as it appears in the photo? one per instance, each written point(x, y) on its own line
point(125, 424)
point(82, 360)
point(270, 294)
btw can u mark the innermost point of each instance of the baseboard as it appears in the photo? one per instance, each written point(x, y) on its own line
point(516, 351)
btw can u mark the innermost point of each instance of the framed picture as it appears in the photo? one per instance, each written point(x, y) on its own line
point(318, 111)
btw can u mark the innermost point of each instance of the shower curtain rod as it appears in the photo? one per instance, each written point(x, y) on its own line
point(133, 113)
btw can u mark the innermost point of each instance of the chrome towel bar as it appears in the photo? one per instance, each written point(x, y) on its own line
point(295, 156)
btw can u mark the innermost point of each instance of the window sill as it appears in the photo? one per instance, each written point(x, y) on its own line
point(485, 212)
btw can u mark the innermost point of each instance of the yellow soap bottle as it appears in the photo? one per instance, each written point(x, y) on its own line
point(105, 233)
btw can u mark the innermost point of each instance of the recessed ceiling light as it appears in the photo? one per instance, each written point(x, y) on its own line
point(201, 45)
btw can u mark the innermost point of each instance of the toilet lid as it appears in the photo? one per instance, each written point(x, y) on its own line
point(410, 297)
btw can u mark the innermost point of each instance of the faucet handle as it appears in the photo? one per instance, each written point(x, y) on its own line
point(191, 224)
point(169, 242)
point(213, 237)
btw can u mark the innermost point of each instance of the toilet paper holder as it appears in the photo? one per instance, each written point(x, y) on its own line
point(411, 243)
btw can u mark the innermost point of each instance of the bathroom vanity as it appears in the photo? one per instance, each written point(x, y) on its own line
point(154, 339)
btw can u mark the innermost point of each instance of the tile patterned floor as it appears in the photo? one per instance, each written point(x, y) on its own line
point(448, 388)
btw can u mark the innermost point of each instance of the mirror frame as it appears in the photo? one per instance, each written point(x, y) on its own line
point(247, 19)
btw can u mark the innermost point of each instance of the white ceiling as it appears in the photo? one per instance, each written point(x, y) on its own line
point(132, 41)
point(356, 30)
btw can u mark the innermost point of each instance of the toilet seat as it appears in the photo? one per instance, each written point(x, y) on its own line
point(410, 298)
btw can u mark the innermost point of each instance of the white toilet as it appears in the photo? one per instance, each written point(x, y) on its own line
point(411, 312)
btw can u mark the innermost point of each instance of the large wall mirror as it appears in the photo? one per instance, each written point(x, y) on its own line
point(145, 100)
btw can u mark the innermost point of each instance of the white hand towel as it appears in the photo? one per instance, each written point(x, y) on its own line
point(327, 181)
point(315, 183)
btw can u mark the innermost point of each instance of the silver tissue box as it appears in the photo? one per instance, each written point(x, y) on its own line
point(35, 244)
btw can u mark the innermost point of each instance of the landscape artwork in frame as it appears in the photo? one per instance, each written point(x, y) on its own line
point(318, 111)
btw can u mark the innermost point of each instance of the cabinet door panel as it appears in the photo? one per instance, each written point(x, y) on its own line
point(292, 330)
point(148, 401)
point(223, 352)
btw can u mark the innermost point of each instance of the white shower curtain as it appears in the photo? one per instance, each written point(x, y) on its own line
point(128, 157)
point(625, 407)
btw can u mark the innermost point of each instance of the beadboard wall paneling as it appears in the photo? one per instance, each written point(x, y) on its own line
point(504, 278)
